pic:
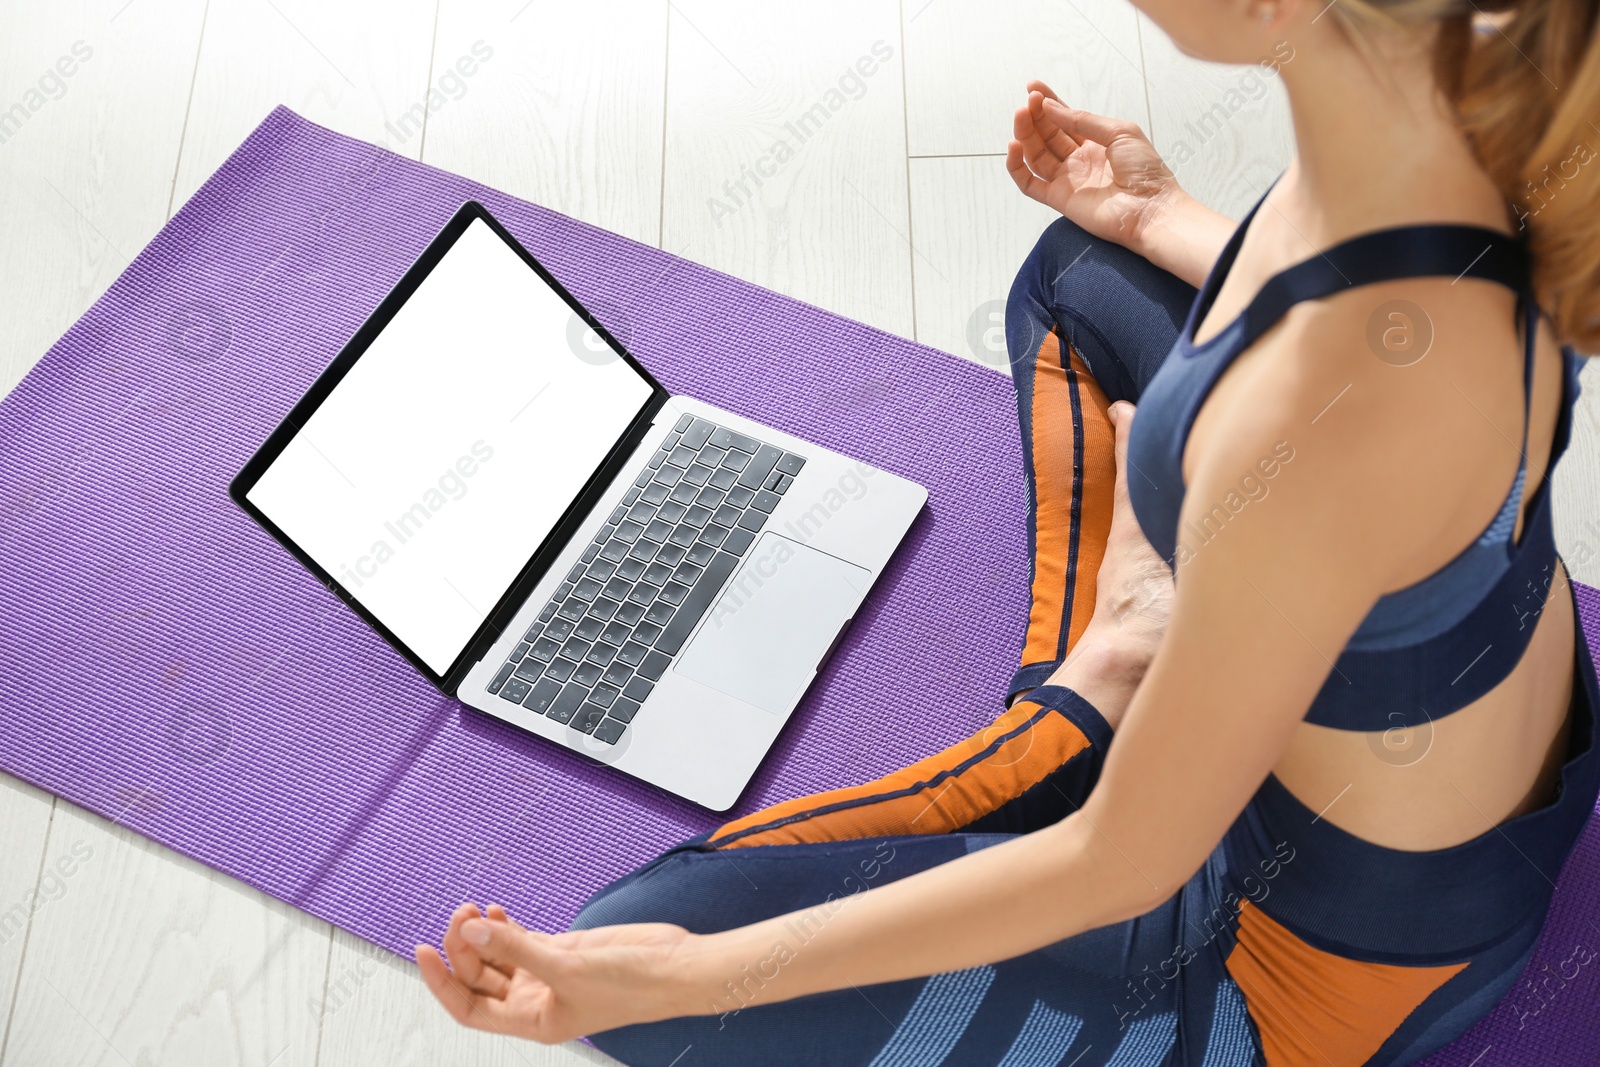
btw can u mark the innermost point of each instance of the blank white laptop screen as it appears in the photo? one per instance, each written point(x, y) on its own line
point(438, 464)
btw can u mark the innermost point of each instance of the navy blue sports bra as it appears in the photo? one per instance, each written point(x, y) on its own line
point(1433, 647)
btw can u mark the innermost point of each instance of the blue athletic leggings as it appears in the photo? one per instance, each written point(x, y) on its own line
point(1296, 943)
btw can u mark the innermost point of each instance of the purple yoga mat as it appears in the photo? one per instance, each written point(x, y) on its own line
point(168, 666)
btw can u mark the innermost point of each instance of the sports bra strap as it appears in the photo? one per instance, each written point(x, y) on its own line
point(1435, 250)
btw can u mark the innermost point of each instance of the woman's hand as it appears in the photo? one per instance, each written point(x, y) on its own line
point(552, 987)
point(1106, 176)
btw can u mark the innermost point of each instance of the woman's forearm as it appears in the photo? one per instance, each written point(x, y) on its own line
point(992, 905)
point(1184, 237)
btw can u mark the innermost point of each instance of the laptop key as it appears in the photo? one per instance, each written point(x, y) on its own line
point(529, 670)
point(713, 534)
point(567, 702)
point(544, 694)
point(587, 674)
point(722, 437)
point(638, 688)
point(646, 633)
point(586, 590)
point(614, 551)
point(623, 710)
point(659, 613)
point(655, 663)
point(712, 456)
point(616, 634)
point(659, 458)
point(686, 573)
point(515, 690)
point(724, 477)
point(629, 532)
point(631, 496)
point(668, 475)
point(630, 613)
point(683, 536)
point(587, 629)
point(657, 574)
point(658, 531)
point(604, 695)
point(783, 484)
point(740, 497)
point(603, 608)
point(642, 594)
point(575, 647)
point(548, 613)
point(700, 553)
point(685, 493)
point(500, 677)
point(755, 473)
point(726, 515)
point(772, 480)
point(699, 474)
point(594, 550)
point(518, 652)
point(589, 716)
point(673, 593)
point(671, 555)
point(616, 516)
point(617, 675)
point(705, 590)
point(655, 493)
point(765, 501)
point(681, 456)
point(753, 520)
point(632, 653)
point(558, 630)
point(683, 423)
point(791, 464)
point(697, 516)
point(738, 541)
point(602, 569)
point(560, 669)
point(544, 650)
point(643, 549)
point(609, 730)
point(698, 434)
point(642, 512)
point(710, 497)
point(572, 609)
point(671, 511)
point(617, 588)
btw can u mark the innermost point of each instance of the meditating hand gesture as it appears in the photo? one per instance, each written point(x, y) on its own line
point(1106, 176)
point(550, 988)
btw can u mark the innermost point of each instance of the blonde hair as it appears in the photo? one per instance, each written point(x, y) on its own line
point(1527, 92)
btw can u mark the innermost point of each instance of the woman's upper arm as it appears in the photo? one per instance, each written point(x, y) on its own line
point(1268, 592)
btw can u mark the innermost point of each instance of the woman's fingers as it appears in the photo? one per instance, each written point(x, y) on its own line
point(1037, 86)
point(1086, 125)
point(1040, 158)
point(1060, 145)
point(507, 946)
point(1026, 180)
point(466, 1006)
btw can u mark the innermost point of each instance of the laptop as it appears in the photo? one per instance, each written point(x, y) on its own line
point(490, 480)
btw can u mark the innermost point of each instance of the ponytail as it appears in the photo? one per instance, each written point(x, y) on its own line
point(1527, 91)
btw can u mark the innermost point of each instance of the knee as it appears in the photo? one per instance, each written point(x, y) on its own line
point(1033, 308)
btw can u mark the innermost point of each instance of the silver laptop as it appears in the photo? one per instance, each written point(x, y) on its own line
point(501, 490)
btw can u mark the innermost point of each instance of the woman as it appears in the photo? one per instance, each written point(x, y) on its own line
point(1353, 744)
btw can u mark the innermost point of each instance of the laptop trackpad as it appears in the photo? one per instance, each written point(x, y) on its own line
point(763, 639)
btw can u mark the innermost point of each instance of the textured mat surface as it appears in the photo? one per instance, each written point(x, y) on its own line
point(169, 667)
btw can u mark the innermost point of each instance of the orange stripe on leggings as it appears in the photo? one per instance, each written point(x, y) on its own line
point(1315, 1009)
point(941, 793)
point(1072, 499)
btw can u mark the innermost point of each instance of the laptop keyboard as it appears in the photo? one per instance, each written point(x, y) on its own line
point(629, 605)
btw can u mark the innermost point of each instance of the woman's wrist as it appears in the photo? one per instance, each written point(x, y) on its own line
point(1182, 236)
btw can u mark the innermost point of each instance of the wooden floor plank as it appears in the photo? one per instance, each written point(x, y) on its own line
point(148, 957)
point(93, 99)
point(785, 151)
point(968, 63)
point(25, 887)
point(973, 229)
point(547, 115)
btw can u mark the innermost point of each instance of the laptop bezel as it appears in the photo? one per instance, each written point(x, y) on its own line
point(565, 528)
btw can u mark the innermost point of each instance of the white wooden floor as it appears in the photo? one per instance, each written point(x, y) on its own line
point(641, 116)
